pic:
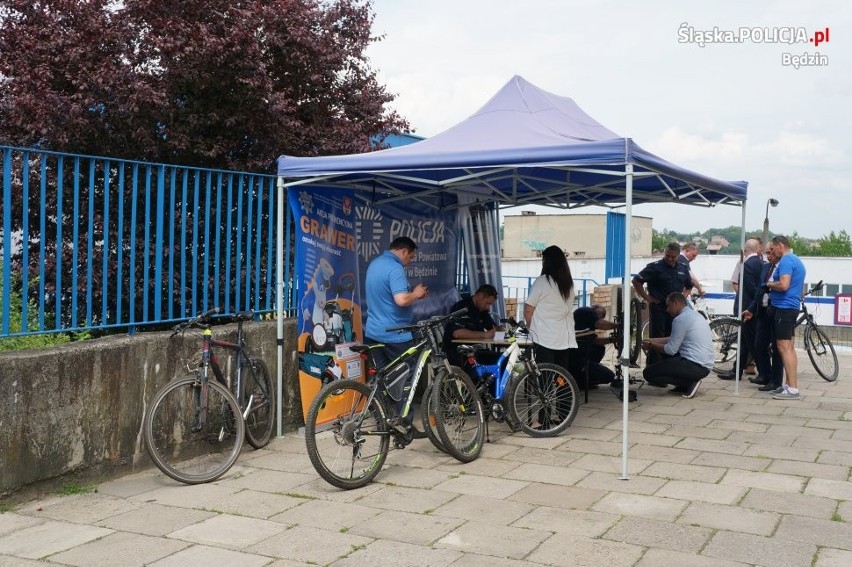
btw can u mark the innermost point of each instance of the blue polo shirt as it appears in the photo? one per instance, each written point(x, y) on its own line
point(790, 265)
point(385, 278)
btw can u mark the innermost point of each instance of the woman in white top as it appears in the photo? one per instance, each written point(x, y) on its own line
point(549, 309)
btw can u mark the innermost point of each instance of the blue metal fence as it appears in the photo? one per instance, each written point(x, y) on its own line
point(95, 243)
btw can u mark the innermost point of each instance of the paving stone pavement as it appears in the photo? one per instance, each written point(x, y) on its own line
point(723, 479)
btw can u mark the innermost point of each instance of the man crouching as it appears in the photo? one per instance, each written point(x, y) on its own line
point(687, 353)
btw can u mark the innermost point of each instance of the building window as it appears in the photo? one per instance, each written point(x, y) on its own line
point(832, 289)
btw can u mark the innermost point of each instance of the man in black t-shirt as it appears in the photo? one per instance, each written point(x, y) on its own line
point(591, 348)
point(474, 325)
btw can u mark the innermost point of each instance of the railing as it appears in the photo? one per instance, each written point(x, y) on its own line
point(516, 289)
point(98, 243)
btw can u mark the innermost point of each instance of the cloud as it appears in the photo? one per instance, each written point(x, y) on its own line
point(791, 147)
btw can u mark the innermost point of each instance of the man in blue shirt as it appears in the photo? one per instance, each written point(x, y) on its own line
point(687, 355)
point(390, 299)
point(785, 294)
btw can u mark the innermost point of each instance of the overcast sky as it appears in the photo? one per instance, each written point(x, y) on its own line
point(730, 111)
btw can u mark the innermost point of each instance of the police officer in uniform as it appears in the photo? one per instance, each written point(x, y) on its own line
point(654, 284)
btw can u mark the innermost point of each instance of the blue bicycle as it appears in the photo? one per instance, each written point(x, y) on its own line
point(539, 399)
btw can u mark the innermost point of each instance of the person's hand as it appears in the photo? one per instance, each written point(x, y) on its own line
point(654, 300)
point(747, 315)
point(489, 334)
point(421, 291)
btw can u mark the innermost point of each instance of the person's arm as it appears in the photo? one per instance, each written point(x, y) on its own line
point(674, 341)
point(473, 335)
point(695, 283)
point(406, 298)
point(783, 283)
point(656, 344)
point(528, 314)
point(639, 286)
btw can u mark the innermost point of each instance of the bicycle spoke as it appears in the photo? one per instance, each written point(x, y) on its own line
point(347, 439)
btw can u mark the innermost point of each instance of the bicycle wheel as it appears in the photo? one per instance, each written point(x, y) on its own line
point(429, 419)
point(260, 414)
point(350, 445)
point(635, 331)
point(459, 418)
point(543, 403)
point(821, 352)
point(194, 431)
point(724, 331)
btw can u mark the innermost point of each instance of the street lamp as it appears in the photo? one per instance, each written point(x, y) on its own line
point(774, 203)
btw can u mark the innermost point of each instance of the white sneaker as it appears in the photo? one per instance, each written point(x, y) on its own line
point(785, 395)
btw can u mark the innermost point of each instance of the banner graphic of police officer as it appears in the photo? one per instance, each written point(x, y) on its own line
point(326, 268)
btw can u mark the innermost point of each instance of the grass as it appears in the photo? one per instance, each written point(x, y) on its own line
point(6, 508)
point(836, 517)
point(74, 488)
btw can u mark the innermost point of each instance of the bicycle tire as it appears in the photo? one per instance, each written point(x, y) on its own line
point(460, 420)
point(543, 405)
point(341, 449)
point(182, 448)
point(821, 352)
point(260, 417)
point(724, 331)
point(429, 419)
point(635, 331)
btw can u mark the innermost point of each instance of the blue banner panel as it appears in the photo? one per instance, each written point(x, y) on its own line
point(326, 268)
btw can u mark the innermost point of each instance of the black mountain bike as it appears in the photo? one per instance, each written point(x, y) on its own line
point(816, 342)
point(195, 425)
point(350, 424)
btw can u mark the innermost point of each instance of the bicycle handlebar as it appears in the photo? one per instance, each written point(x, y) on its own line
point(195, 320)
point(817, 287)
point(437, 319)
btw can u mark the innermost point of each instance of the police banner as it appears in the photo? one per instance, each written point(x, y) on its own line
point(436, 234)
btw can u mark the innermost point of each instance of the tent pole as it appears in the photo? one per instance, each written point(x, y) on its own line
point(740, 301)
point(279, 302)
point(625, 303)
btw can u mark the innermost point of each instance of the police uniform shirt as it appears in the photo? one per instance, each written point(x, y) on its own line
point(663, 279)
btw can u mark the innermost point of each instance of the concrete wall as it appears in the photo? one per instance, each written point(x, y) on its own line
point(80, 405)
point(579, 235)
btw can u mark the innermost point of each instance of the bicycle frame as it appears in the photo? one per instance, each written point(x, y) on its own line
point(208, 360)
point(502, 369)
point(427, 349)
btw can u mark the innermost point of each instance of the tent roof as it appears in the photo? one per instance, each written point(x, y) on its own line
point(524, 146)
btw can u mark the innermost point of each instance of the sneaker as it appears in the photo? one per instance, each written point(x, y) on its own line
point(785, 395)
point(690, 393)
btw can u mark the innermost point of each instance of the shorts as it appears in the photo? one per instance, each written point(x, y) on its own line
point(784, 323)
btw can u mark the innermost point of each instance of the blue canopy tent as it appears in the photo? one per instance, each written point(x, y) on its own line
point(524, 146)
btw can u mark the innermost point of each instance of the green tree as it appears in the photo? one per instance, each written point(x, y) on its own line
point(227, 84)
point(801, 246)
point(217, 83)
point(834, 244)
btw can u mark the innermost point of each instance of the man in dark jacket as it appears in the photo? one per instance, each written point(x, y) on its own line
point(752, 266)
point(770, 368)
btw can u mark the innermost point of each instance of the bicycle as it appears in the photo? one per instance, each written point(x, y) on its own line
point(539, 399)
point(350, 423)
point(816, 342)
point(194, 427)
